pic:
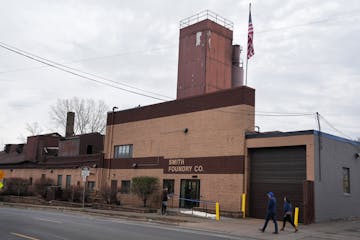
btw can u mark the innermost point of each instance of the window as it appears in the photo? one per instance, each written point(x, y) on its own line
point(68, 181)
point(123, 151)
point(114, 186)
point(30, 181)
point(59, 180)
point(125, 186)
point(346, 180)
point(43, 176)
point(89, 149)
point(91, 186)
point(169, 184)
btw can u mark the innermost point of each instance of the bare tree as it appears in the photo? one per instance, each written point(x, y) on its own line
point(90, 115)
point(34, 128)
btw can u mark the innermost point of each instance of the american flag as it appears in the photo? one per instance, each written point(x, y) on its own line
point(250, 48)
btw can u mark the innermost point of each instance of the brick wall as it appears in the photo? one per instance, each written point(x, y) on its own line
point(215, 132)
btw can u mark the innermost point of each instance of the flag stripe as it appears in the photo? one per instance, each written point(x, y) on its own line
point(250, 50)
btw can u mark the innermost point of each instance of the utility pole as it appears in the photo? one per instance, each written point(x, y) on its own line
point(319, 143)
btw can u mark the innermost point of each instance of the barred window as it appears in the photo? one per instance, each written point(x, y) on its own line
point(346, 180)
point(125, 186)
point(169, 184)
point(59, 180)
point(123, 151)
point(91, 186)
point(68, 181)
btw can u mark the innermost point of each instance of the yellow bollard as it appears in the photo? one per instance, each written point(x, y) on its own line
point(2, 175)
point(296, 217)
point(217, 210)
point(243, 201)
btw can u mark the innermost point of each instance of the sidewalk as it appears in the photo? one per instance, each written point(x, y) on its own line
point(246, 228)
point(349, 230)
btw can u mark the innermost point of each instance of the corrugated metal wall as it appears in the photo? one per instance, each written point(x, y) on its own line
point(281, 170)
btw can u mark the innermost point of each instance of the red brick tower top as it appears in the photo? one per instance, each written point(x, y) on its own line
point(205, 54)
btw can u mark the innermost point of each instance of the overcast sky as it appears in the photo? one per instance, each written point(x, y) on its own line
point(306, 57)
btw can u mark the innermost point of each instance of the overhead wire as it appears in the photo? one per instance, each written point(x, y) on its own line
point(56, 65)
point(334, 128)
point(319, 21)
point(64, 68)
point(257, 113)
point(89, 59)
point(264, 113)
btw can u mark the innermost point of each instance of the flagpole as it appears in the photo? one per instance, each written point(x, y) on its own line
point(246, 69)
point(247, 53)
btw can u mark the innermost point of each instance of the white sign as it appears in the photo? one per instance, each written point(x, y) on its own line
point(85, 172)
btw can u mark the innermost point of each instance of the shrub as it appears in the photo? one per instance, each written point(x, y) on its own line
point(17, 186)
point(42, 184)
point(77, 194)
point(67, 194)
point(144, 187)
point(109, 196)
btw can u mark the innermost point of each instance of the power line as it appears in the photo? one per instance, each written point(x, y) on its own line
point(324, 20)
point(268, 114)
point(56, 66)
point(63, 68)
point(284, 115)
point(294, 113)
point(90, 74)
point(89, 59)
point(334, 128)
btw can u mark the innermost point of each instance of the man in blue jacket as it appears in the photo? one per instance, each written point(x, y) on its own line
point(271, 212)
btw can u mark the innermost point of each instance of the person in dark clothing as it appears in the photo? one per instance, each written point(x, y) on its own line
point(288, 214)
point(270, 212)
point(164, 198)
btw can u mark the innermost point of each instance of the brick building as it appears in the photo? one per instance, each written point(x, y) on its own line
point(53, 156)
point(203, 146)
point(195, 144)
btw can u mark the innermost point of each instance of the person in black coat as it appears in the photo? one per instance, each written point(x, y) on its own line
point(288, 214)
point(164, 198)
point(270, 212)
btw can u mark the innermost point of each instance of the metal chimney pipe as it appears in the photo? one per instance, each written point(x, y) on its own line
point(70, 120)
point(237, 71)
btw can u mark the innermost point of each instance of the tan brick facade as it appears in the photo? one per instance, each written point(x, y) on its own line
point(215, 132)
point(224, 188)
point(210, 133)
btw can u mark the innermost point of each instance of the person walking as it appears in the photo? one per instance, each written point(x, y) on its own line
point(164, 198)
point(270, 212)
point(288, 214)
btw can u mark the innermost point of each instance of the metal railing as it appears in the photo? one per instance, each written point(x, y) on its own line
point(208, 207)
point(207, 14)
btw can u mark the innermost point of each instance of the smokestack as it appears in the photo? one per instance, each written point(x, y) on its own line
point(70, 119)
point(237, 70)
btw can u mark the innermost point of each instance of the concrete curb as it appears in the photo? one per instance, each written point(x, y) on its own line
point(169, 220)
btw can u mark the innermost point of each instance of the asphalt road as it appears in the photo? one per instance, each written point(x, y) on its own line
point(34, 224)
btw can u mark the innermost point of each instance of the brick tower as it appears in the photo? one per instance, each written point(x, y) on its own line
point(205, 55)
